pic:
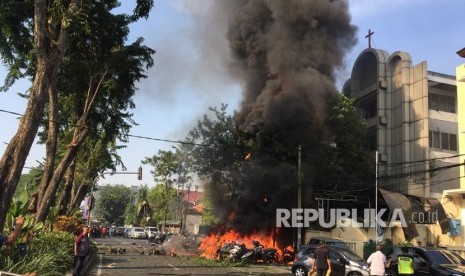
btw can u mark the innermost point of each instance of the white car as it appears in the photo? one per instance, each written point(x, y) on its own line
point(151, 231)
point(138, 233)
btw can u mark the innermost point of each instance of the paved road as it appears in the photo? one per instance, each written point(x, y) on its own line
point(184, 263)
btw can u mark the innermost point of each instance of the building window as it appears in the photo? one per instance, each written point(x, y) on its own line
point(371, 139)
point(442, 140)
point(441, 102)
point(453, 142)
point(434, 139)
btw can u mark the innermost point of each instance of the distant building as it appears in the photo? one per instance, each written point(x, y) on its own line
point(455, 198)
point(416, 124)
point(412, 117)
point(192, 211)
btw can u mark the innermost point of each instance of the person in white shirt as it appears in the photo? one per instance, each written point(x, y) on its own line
point(377, 262)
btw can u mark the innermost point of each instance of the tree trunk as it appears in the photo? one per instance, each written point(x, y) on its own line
point(51, 144)
point(80, 134)
point(15, 155)
point(64, 203)
point(80, 189)
point(78, 195)
point(49, 57)
point(72, 149)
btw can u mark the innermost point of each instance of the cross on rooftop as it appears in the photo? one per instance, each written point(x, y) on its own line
point(370, 33)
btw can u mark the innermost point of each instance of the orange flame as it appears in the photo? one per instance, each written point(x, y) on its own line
point(247, 157)
point(211, 242)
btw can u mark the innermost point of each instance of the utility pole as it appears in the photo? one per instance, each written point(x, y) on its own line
point(186, 209)
point(299, 192)
point(376, 198)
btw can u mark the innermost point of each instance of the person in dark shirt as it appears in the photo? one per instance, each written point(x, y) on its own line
point(81, 249)
point(322, 262)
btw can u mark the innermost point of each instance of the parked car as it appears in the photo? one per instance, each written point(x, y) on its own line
point(119, 231)
point(127, 232)
point(315, 241)
point(138, 233)
point(429, 261)
point(151, 231)
point(343, 262)
point(329, 241)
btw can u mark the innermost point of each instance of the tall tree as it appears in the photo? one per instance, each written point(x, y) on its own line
point(351, 166)
point(161, 200)
point(97, 58)
point(218, 154)
point(166, 165)
point(143, 206)
point(112, 202)
point(46, 26)
point(99, 76)
point(218, 147)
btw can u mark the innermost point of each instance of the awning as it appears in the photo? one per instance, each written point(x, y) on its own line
point(413, 205)
point(442, 216)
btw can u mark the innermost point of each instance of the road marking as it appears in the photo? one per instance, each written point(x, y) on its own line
point(99, 270)
point(175, 268)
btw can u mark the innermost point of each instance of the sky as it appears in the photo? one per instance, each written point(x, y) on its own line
point(190, 72)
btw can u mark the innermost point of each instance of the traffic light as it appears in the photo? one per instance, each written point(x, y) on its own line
point(139, 173)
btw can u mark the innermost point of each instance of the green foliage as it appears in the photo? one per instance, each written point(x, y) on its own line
point(99, 63)
point(17, 208)
point(112, 202)
point(351, 165)
point(220, 158)
point(42, 255)
point(225, 146)
point(165, 165)
point(29, 183)
point(130, 214)
point(160, 198)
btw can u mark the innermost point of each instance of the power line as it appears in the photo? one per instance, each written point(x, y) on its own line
point(403, 175)
point(135, 136)
point(10, 112)
point(173, 141)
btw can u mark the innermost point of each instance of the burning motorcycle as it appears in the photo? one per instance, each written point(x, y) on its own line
point(261, 254)
point(288, 256)
point(230, 251)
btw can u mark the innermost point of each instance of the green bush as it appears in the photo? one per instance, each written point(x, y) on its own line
point(50, 254)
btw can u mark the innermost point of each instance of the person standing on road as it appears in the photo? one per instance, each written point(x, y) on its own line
point(104, 231)
point(81, 249)
point(377, 262)
point(322, 262)
point(405, 263)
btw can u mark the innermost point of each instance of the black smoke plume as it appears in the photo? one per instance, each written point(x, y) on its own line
point(286, 53)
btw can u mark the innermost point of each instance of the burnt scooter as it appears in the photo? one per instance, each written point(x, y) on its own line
point(288, 256)
point(230, 251)
point(261, 254)
point(159, 238)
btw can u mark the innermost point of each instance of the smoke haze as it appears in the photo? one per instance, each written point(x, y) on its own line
point(285, 53)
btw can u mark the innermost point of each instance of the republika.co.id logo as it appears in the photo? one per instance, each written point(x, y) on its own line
point(350, 218)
